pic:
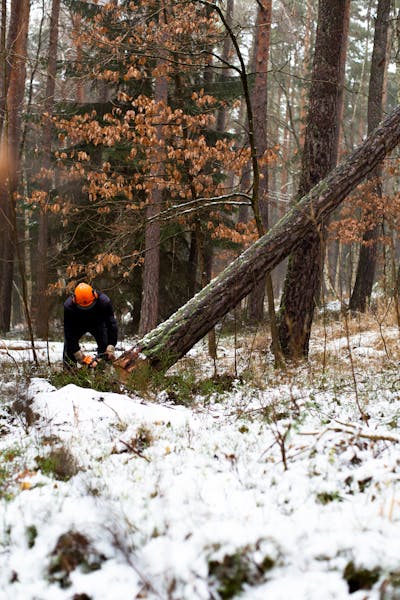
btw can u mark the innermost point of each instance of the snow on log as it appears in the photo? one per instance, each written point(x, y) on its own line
point(170, 340)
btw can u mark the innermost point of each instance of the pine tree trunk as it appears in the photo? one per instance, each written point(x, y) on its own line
point(151, 270)
point(260, 105)
point(367, 260)
point(76, 41)
point(42, 273)
point(305, 70)
point(172, 339)
point(207, 258)
point(3, 94)
point(365, 271)
point(3, 66)
point(11, 151)
point(303, 278)
point(226, 52)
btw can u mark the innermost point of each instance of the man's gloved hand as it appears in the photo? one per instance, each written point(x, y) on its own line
point(109, 354)
point(84, 359)
point(78, 356)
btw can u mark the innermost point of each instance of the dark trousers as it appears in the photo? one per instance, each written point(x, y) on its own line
point(99, 333)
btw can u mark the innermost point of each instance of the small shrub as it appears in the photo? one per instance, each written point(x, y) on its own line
point(360, 579)
point(72, 550)
point(237, 569)
point(141, 379)
point(327, 497)
point(363, 484)
point(215, 385)
point(180, 389)
point(15, 379)
point(390, 587)
point(271, 415)
point(143, 439)
point(139, 442)
point(31, 535)
point(10, 454)
point(5, 483)
point(59, 463)
point(8, 467)
point(22, 410)
point(100, 379)
point(231, 573)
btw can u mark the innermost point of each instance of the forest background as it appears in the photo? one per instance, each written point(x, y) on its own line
point(146, 144)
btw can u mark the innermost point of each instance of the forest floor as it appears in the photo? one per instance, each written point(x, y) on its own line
point(218, 480)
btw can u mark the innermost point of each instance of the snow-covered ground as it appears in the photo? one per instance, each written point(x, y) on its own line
point(285, 487)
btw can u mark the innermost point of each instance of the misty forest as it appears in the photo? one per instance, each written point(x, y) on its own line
point(227, 173)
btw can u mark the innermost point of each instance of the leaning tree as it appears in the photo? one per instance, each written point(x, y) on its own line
point(168, 342)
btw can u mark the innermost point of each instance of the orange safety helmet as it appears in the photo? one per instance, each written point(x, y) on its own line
point(84, 295)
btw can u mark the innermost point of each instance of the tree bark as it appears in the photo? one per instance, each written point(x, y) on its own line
point(3, 94)
point(303, 277)
point(151, 270)
point(226, 51)
point(11, 149)
point(260, 106)
point(305, 69)
point(42, 269)
point(163, 346)
point(367, 260)
point(206, 249)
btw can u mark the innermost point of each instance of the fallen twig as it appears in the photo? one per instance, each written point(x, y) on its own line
point(375, 437)
point(133, 449)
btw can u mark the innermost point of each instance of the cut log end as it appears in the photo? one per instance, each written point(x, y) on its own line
point(129, 361)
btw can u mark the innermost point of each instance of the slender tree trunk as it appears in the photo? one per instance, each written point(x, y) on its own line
point(151, 270)
point(305, 69)
point(260, 105)
point(3, 95)
point(3, 66)
point(333, 252)
point(226, 51)
point(42, 273)
point(260, 116)
point(11, 145)
point(192, 262)
point(172, 339)
point(76, 31)
point(367, 260)
point(245, 179)
point(303, 278)
point(206, 251)
point(286, 153)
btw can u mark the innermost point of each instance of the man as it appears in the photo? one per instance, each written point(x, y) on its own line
point(88, 311)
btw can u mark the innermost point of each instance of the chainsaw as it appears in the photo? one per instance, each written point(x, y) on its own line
point(93, 361)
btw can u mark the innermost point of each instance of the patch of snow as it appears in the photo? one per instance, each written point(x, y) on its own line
point(284, 479)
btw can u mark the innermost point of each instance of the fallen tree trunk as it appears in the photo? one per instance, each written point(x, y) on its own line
point(170, 340)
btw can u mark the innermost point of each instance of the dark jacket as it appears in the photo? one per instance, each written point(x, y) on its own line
point(99, 321)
